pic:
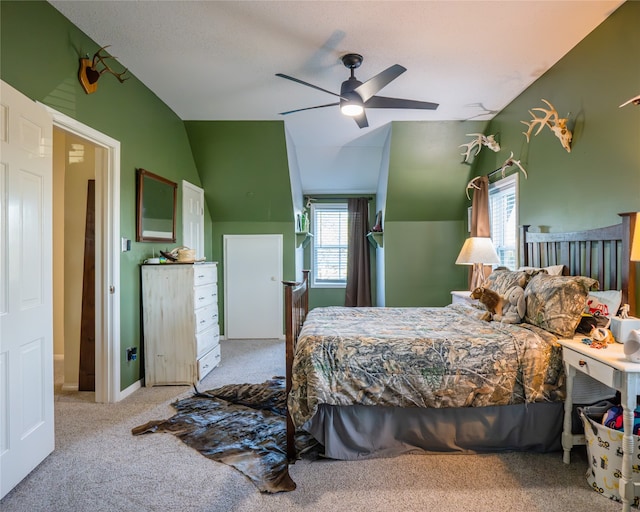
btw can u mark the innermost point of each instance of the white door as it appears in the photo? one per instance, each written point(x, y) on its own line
point(193, 218)
point(26, 323)
point(253, 286)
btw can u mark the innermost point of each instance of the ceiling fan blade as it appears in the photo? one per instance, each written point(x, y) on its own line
point(384, 102)
point(361, 120)
point(309, 108)
point(307, 84)
point(373, 85)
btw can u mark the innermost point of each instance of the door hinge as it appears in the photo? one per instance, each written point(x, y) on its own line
point(112, 289)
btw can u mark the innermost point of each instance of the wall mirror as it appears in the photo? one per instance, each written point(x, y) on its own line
point(156, 208)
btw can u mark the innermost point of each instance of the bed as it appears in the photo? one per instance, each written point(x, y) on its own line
point(372, 382)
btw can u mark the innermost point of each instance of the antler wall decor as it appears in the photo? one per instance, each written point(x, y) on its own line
point(89, 74)
point(509, 162)
point(479, 141)
point(635, 101)
point(556, 124)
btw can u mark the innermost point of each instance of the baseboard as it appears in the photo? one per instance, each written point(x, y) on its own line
point(70, 387)
point(130, 390)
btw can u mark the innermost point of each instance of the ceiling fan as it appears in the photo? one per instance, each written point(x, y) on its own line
point(355, 95)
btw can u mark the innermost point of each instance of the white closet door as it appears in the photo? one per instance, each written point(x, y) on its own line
point(193, 218)
point(26, 311)
point(253, 286)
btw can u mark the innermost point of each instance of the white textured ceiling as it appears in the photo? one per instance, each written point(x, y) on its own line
point(216, 60)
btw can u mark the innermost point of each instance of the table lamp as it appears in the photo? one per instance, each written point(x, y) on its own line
point(477, 251)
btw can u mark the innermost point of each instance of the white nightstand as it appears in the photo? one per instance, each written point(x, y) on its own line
point(610, 367)
point(462, 296)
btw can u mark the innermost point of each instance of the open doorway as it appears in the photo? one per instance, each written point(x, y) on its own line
point(101, 155)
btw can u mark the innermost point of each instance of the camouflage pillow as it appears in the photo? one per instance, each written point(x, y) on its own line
point(501, 280)
point(556, 303)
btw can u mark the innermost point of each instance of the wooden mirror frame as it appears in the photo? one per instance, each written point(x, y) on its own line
point(172, 188)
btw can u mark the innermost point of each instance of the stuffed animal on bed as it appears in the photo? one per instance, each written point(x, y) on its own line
point(491, 300)
point(514, 306)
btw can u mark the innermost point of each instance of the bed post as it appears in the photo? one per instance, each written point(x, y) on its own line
point(296, 305)
point(628, 268)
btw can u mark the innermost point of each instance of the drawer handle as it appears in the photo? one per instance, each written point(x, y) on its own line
point(203, 321)
point(205, 367)
point(200, 276)
point(202, 298)
point(582, 362)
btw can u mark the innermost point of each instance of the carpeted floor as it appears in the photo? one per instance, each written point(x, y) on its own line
point(99, 466)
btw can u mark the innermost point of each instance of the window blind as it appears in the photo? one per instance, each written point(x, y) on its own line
point(329, 224)
point(503, 214)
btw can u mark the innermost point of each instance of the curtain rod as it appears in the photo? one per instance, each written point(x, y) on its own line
point(336, 198)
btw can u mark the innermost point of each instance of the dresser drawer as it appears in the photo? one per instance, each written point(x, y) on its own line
point(596, 369)
point(205, 295)
point(206, 317)
point(208, 339)
point(205, 274)
point(208, 362)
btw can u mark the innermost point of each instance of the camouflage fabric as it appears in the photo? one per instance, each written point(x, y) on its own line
point(501, 280)
point(420, 357)
point(556, 303)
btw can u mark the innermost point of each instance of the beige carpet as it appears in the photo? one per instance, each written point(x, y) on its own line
point(99, 466)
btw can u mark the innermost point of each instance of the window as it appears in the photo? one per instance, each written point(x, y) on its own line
point(329, 225)
point(503, 214)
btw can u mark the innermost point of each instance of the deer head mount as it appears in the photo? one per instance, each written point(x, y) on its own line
point(89, 72)
point(556, 124)
point(479, 141)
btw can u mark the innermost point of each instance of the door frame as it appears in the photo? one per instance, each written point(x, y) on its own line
point(107, 269)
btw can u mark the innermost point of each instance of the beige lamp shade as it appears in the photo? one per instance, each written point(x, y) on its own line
point(635, 241)
point(477, 249)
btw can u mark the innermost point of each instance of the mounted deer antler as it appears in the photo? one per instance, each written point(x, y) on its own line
point(635, 100)
point(89, 74)
point(479, 141)
point(556, 124)
point(472, 184)
point(506, 164)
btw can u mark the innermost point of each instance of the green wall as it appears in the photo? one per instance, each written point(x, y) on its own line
point(39, 56)
point(245, 174)
point(600, 177)
point(426, 211)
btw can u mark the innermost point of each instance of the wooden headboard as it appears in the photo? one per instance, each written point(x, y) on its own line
point(601, 253)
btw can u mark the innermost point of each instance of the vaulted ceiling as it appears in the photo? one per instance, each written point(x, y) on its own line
point(217, 60)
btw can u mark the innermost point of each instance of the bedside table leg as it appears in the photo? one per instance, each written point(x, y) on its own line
point(626, 481)
point(567, 434)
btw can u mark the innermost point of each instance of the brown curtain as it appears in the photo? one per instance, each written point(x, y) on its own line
point(358, 292)
point(480, 225)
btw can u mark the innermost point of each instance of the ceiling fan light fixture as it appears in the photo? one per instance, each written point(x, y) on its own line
point(351, 109)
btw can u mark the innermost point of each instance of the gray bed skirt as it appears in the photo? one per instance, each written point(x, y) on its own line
point(360, 432)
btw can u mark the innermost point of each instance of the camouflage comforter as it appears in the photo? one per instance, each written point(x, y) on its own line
point(420, 357)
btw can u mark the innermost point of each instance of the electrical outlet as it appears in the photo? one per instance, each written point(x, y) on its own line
point(132, 354)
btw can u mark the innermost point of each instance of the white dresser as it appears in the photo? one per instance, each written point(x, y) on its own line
point(180, 322)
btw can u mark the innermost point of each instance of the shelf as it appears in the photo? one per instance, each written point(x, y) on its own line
point(303, 238)
point(376, 238)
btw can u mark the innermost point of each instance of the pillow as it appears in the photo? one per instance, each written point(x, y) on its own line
point(501, 280)
point(603, 303)
point(556, 303)
point(553, 270)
